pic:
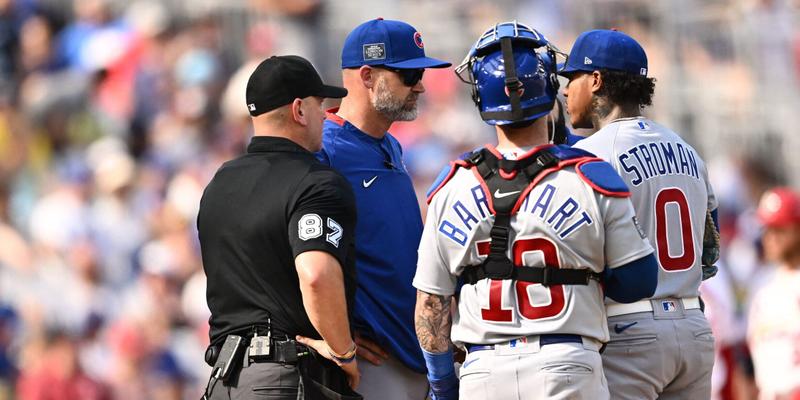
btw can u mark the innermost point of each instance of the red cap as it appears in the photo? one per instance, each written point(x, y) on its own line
point(779, 207)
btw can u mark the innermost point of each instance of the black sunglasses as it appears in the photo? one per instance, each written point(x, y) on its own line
point(410, 76)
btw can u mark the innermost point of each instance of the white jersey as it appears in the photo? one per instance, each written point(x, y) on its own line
point(773, 334)
point(563, 221)
point(670, 192)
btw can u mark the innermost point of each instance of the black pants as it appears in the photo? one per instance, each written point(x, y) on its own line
point(261, 381)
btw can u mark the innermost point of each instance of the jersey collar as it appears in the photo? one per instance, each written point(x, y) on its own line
point(525, 153)
point(266, 144)
point(330, 115)
point(626, 119)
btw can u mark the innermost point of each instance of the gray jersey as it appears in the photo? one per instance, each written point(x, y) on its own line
point(670, 192)
point(563, 222)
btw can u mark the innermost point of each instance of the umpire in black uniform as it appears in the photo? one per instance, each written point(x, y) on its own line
point(276, 233)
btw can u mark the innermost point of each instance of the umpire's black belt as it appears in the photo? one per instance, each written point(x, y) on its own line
point(282, 350)
point(548, 338)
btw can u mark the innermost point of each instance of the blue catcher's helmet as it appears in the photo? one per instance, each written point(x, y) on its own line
point(512, 72)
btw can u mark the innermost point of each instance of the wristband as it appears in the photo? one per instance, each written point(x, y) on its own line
point(345, 358)
point(441, 375)
point(440, 365)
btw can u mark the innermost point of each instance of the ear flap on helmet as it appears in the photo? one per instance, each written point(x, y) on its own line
point(549, 60)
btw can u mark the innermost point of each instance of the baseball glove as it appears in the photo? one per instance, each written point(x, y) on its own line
point(710, 248)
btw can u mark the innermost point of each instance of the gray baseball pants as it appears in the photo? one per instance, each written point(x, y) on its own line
point(530, 371)
point(667, 353)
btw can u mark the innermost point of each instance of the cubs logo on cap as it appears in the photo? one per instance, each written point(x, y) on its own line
point(418, 40)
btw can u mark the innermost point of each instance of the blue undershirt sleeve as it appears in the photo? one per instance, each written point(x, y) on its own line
point(633, 281)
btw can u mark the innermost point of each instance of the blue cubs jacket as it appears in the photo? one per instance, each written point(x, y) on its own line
point(388, 231)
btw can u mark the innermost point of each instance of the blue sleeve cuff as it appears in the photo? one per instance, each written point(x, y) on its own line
point(633, 281)
point(441, 375)
point(439, 365)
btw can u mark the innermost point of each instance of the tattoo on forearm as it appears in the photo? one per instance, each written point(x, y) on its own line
point(433, 322)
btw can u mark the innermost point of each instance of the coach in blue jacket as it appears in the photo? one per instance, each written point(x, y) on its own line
point(382, 66)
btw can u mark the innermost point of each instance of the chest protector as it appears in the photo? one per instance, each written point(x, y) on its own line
point(507, 183)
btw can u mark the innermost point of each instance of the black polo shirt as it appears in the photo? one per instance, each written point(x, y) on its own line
point(257, 214)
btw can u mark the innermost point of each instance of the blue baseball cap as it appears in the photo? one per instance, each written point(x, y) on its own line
point(394, 44)
point(605, 49)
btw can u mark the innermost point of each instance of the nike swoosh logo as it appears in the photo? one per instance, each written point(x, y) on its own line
point(367, 183)
point(466, 364)
point(500, 195)
point(620, 328)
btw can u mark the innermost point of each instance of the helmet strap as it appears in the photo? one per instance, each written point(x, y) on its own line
point(473, 86)
point(554, 73)
point(513, 83)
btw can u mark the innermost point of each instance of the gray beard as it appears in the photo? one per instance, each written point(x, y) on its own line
point(392, 108)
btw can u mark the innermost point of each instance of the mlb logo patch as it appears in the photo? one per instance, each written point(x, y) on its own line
point(639, 228)
point(374, 51)
point(521, 342)
point(668, 306)
point(587, 60)
point(251, 107)
point(643, 72)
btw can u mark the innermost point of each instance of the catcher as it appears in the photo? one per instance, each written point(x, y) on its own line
point(531, 229)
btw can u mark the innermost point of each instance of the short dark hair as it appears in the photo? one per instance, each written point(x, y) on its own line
point(625, 88)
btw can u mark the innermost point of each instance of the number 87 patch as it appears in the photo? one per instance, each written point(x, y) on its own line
point(310, 227)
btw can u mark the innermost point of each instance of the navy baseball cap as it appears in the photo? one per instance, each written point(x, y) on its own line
point(605, 49)
point(394, 44)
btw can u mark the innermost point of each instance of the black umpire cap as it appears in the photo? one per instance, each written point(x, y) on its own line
point(278, 80)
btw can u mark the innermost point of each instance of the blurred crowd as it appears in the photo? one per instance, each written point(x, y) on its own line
point(115, 114)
